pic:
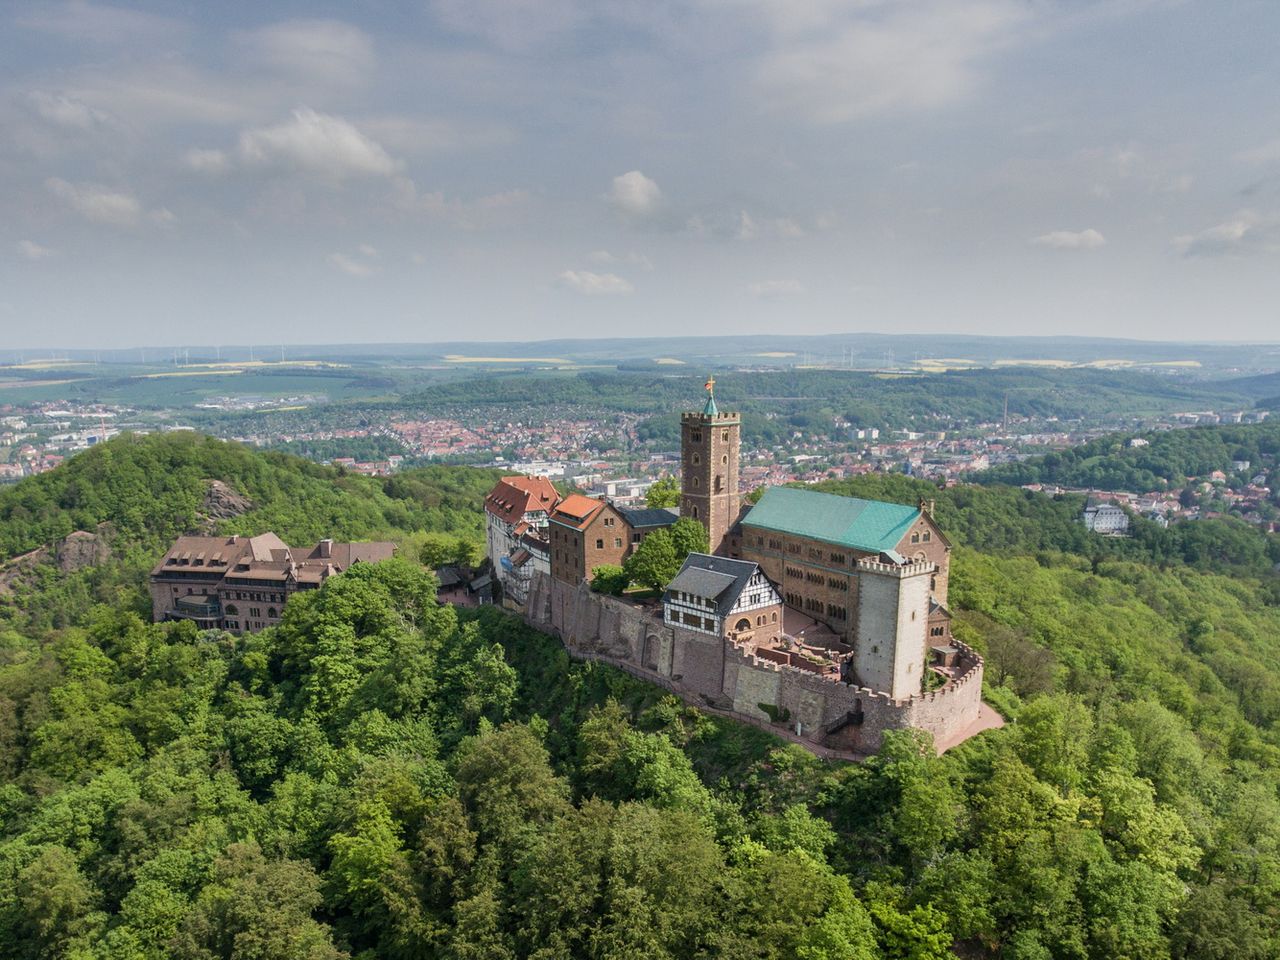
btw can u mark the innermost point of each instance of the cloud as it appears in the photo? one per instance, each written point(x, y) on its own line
point(835, 63)
point(319, 144)
point(100, 23)
point(325, 51)
point(360, 265)
point(630, 259)
point(468, 214)
point(419, 135)
point(595, 284)
point(775, 289)
point(1089, 239)
point(64, 111)
point(751, 228)
point(35, 251)
point(1264, 153)
point(97, 203)
point(635, 194)
point(1248, 232)
point(208, 161)
point(512, 25)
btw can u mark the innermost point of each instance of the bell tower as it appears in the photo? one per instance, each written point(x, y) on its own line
point(709, 444)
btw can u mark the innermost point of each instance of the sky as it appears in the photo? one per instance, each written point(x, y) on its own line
point(429, 170)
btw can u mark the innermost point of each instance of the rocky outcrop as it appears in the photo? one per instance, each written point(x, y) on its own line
point(81, 549)
point(221, 502)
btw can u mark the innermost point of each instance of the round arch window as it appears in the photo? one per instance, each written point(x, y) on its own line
point(743, 624)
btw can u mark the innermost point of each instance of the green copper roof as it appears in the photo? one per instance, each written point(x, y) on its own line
point(710, 410)
point(869, 525)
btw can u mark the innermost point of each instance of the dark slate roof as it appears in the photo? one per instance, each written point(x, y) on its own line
point(642, 517)
point(868, 525)
point(713, 578)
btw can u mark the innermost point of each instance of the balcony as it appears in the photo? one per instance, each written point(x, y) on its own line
point(196, 608)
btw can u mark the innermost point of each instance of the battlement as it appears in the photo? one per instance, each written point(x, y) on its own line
point(722, 417)
point(913, 569)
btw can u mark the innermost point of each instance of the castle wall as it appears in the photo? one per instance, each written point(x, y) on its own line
point(711, 671)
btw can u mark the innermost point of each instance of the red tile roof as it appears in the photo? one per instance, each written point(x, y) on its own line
point(513, 497)
point(576, 510)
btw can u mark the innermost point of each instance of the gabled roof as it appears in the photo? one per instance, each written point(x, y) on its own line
point(576, 510)
point(512, 497)
point(718, 579)
point(869, 525)
point(643, 518)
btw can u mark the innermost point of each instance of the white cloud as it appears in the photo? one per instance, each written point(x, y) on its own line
point(357, 266)
point(428, 135)
point(1245, 233)
point(468, 214)
point(630, 259)
point(595, 284)
point(635, 194)
point(99, 23)
point(65, 111)
point(775, 289)
point(318, 144)
point(1264, 153)
point(97, 203)
point(1088, 239)
point(326, 51)
point(838, 62)
point(35, 251)
point(512, 25)
point(783, 228)
point(208, 161)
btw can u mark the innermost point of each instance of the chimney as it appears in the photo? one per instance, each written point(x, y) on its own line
point(326, 548)
point(926, 506)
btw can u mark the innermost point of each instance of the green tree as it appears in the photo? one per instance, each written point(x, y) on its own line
point(663, 493)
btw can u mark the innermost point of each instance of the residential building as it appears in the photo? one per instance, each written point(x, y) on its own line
point(242, 584)
point(1106, 518)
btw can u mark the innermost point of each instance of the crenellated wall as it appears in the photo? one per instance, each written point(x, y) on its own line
point(712, 671)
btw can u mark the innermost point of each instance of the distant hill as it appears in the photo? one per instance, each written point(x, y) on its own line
point(150, 489)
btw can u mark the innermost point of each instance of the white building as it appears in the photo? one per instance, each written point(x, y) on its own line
point(1106, 518)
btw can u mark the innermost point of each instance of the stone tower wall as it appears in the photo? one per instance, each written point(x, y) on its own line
point(893, 626)
point(709, 451)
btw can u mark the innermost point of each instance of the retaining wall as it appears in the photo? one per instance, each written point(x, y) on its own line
point(711, 671)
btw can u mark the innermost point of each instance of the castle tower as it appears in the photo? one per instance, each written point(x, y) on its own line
point(709, 443)
point(893, 618)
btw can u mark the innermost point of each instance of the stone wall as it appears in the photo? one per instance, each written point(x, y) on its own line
point(711, 671)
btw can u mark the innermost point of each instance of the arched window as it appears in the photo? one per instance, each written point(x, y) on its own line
point(695, 513)
point(271, 611)
point(696, 483)
point(775, 616)
point(719, 483)
point(231, 609)
point(743, 624)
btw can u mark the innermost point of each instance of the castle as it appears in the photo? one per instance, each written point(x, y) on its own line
point(822, 615)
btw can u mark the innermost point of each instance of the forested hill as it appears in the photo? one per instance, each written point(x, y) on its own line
point(1166, 460)
point(151, 489)
point(379, 777)
point(139, 492)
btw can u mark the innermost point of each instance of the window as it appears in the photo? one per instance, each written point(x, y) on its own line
point(774, 618)
point(915, 537)
point(599, 543)
point(935, 631)
point(617, 541)
point(697, 459)
point(719, 483)
point(696, 436)
point(271, 611)
point(743, 624)
point(725, 436)
point(231, 609)
point(695, 512)
point(696, 483)
point(255, 612)
point(724, 458)
point(927, 536)
point(608, 521)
